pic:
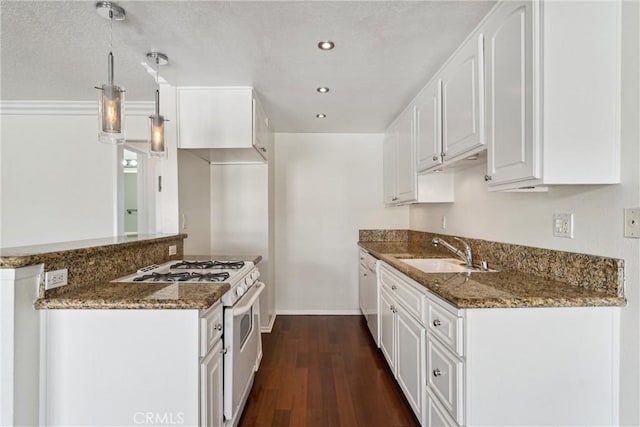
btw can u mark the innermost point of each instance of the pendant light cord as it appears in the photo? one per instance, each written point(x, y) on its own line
point(110, 30)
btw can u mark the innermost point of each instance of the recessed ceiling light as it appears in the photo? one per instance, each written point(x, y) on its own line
point(323, 89)
point(321, 116)
point(326, 45)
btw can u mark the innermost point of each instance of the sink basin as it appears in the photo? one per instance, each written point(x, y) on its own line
point(441, 265)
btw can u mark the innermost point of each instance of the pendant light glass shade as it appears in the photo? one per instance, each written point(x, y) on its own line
point(156, 134)
point(156, 121)
point(111, 111)
point(110, 96)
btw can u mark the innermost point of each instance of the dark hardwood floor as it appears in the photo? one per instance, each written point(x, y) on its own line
point(324, 371)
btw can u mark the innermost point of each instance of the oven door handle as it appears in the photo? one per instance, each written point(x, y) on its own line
point(239, 310)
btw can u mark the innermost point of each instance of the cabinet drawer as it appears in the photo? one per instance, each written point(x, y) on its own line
point(435, 414)
point(403, 292)
point(210, 328)
point(445, 378)
point(445, 325)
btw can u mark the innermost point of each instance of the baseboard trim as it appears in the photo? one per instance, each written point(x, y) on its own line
point(319, 312)
point(267, 329)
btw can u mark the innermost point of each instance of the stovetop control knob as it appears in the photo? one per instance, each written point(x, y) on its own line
point(248, 281)
point(255, 275)
point(240, 290)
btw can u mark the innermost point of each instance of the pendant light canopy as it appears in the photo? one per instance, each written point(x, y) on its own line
point(156, 121)
point(111, 96)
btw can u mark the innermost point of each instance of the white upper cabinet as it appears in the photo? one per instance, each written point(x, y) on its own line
point(389, 149)
point(510, 95)
point(399, 168)
point(553, 93)
point(428, 127)
point(406, 163)
point(463, 101)
point(227, 124)
point(401, 183)
point(215, 117)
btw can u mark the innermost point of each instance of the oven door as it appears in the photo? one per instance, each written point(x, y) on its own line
point(243, 351)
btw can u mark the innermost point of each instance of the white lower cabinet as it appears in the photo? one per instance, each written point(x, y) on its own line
point(500, 366)
point(132, 367)
point(402, 336)
point(211, 413)
point(409, 361)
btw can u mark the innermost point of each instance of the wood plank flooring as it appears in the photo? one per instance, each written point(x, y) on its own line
point(324, 371)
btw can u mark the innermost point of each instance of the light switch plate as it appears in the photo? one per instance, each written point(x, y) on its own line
point(632, 223)
point(563, 225)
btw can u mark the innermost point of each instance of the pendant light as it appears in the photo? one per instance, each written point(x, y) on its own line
point(111, 96)
point(156, 121)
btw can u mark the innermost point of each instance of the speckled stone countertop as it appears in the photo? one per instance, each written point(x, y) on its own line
point(21, 256)
point(107, 295)
point(502, 289)
point(138, 295)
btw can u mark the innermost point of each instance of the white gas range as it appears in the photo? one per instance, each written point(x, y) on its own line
point(241, 325)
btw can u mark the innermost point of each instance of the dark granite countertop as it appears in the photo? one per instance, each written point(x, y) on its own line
point(138, 295)
point(502, 289)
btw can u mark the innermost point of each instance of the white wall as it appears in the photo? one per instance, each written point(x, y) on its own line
point(598, 214)
point(327, 186)
point(194, 189)
point(58, 181)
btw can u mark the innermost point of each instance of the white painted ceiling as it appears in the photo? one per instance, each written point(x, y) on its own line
point(385, 52)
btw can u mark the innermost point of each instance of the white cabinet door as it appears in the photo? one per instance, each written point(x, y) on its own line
point(410, 359)
point(362, 288)
point(211, 414)
point(387, 329)
point(406, 165)
point(463, 101)
point(428, 127)
point(512, 150)
point(389, 178)
point(215, 117)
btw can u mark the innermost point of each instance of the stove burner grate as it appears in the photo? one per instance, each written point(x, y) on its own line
point(163, 277)
point(205, 265)
point(210, 277)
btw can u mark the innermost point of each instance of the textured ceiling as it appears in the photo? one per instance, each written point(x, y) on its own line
point(385, 52)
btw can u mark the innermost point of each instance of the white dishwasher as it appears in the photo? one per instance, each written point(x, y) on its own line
point(368, 291)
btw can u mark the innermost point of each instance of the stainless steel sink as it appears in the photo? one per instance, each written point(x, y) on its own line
point(442, 265)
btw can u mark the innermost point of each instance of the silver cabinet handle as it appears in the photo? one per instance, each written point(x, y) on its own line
point(437, 372)
point(365, 274)
point(223, 351)
point(264, 150)
point(437, 323)
point(393, 199)
point(435, 158)
point(488, 178)
point(218, 327)
point(394, 287)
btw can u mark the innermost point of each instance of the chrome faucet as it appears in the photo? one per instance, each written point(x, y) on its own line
point(466, 255)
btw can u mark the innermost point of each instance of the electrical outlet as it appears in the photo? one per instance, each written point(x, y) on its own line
point(173, 249)
point(55, 279)
point(632, 223)
point(443, 222)
point(563, 225)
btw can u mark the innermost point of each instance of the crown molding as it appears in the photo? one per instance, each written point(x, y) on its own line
point(70, 108)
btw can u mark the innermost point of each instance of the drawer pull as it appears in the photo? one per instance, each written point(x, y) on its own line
point(394, 287)
point(437, 323)
point(437, 372)
point(218, 327)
